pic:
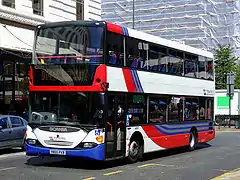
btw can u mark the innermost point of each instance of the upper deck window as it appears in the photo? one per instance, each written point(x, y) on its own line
point(69, 45)
point(8, 3)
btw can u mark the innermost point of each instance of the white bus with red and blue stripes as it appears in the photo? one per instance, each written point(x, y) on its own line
point(102, 91)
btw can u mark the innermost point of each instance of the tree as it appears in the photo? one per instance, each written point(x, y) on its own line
point(237, 77)
point(225, 62)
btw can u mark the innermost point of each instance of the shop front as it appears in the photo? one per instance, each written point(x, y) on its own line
point(15, 57)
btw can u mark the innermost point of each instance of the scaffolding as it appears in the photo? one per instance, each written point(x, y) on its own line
point(200, 23)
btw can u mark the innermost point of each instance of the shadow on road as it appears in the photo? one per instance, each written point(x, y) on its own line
point(171, 152)
point(9, 151)
point(77, 163)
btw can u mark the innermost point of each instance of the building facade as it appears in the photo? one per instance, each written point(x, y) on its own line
point(18, 20)
point(199, 23)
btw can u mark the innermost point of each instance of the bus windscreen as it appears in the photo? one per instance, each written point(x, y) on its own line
point(67, 108)
point(73, 44)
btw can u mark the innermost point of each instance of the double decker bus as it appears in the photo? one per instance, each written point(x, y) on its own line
point(102, 91)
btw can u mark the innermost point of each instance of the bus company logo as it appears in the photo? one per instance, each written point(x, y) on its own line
point(204, 91)
point(208, 92)
point(58, 129)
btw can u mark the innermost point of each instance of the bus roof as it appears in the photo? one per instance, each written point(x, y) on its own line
point(134, 34)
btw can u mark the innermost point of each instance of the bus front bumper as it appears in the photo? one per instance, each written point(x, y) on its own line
point(96, 153)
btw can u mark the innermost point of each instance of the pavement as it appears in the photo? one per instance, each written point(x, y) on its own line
point(231, 175)
point(226, 129)
point(217, 159)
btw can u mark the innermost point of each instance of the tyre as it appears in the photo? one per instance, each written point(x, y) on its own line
point(192, 141)
point(135, 151)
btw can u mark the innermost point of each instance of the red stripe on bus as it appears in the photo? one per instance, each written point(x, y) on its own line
point(114, 28)
point(65, 88)
point(129, 80)
point(61, 57)
point(101, 74)
point(166, 141)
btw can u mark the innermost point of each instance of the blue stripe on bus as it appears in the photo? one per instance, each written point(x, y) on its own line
point(181, 128)
point(124, 31)
point(138, 81)
point(135, 80)
point(180, 132)
point(193, 123)
point(127, 34)
point(96, 153)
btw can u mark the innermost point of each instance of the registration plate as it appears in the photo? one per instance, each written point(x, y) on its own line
point(57, 152)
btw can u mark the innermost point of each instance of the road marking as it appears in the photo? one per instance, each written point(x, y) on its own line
point(153, 164)
point(221, 170)
point(111, 173)
point(226, 174)
point(5, 169)
point(12, 155)
point(89, 178)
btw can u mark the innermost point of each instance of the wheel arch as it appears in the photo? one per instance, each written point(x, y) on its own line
point(194, 130)
point(138, 135)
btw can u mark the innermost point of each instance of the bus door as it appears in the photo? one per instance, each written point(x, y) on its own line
point(115, 144)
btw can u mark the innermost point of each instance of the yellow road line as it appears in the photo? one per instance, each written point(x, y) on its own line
point(89, 178)
point(226, 174)
point(154, 164)
point(111, 173)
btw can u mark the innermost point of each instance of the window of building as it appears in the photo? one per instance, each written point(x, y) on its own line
point(175, 62)
point(158, 109)
point(136, 53)
point(157, 60)
point(115, 49)
point(136, 109)
point(80, 9)
point(8, 3)
point(37, 7)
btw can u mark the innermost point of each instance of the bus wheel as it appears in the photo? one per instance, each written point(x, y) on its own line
point(192, 140)
point(135, 151)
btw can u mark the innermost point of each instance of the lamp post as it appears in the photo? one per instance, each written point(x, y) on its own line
point(133, 13)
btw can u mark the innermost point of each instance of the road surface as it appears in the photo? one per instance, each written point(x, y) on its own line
point(208, 161)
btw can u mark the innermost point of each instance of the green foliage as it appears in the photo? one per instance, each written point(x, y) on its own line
point(237, 77)
point(225, 62)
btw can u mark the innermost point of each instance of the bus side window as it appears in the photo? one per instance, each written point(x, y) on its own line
point(136, 55)
point(157, 110)
point(136, 110)
point(175, 109)
point(115, 49)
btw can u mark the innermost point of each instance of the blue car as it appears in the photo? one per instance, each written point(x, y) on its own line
point(12, 131)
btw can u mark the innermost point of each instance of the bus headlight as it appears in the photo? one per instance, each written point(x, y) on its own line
point(89, 145)
point(86, 145)
point(31, 141)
